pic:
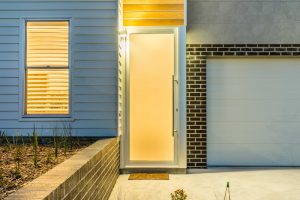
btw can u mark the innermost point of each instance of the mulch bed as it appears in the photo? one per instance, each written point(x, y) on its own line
point(12, 179)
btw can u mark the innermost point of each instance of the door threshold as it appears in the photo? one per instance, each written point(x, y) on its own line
point(153, 170)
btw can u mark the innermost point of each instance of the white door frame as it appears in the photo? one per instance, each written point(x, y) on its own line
point(179, 101)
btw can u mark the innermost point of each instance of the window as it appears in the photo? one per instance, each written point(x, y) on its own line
point(47, 68)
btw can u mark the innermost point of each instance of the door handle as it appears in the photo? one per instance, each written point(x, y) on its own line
point(173, 102)
point(173, 105)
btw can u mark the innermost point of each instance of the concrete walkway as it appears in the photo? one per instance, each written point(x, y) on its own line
point(245, 184)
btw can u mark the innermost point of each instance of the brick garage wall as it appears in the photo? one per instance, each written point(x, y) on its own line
point(90, 174)
point(196, 87)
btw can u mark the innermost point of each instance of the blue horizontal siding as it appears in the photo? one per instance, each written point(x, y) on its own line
point(94, 64)
point(59, 5)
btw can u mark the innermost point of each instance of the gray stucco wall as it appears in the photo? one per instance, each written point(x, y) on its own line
point(243, 21)
point(94, 64)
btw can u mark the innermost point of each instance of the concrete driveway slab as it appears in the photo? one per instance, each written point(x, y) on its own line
point(210, 184)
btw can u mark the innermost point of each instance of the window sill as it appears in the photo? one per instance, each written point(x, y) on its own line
point(46, 119)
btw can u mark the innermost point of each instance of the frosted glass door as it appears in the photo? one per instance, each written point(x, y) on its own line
point(151, 67)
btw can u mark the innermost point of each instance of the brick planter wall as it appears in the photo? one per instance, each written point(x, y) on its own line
point(196, 87)
point(90, 174)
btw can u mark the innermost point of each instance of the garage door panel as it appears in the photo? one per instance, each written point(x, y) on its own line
point(247, 132)
point(258, 68)
point(265, 82)
point(245, 89)
point(253, 112)
point(253, 155)
point(235, 93)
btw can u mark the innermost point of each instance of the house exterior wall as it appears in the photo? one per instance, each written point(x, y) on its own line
point(197, 55)
point(231, 28)
point(94, 64)
point(236, 22)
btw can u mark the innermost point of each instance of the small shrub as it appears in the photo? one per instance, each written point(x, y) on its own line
point(1, 178)
point(29, 138)
point(67, 137)
point(78, 141)
point(49, 159)
point(55, 142)
point(7, 142)
point(17, 157)
point(22, 140)
point(227, 192)
point(1, 137)
point(179, 194)
point(65, 143)
point(17, 174)
point(35, 145)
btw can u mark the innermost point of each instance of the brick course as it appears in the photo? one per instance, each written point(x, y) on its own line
point(196, 87)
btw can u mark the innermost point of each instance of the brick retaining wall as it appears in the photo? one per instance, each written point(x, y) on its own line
point(90, 174)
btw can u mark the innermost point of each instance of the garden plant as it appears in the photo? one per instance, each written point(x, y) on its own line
point(23, 159)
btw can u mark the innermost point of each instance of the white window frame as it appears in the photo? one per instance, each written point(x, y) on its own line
point(22, 74)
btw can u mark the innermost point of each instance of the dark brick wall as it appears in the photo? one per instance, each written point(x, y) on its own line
point(196, 87)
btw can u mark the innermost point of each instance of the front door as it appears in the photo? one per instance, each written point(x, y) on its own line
point(150, 98)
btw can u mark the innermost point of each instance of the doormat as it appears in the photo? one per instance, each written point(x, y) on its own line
point(149, 176)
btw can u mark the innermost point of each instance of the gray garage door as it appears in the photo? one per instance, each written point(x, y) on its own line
point(253, 112)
